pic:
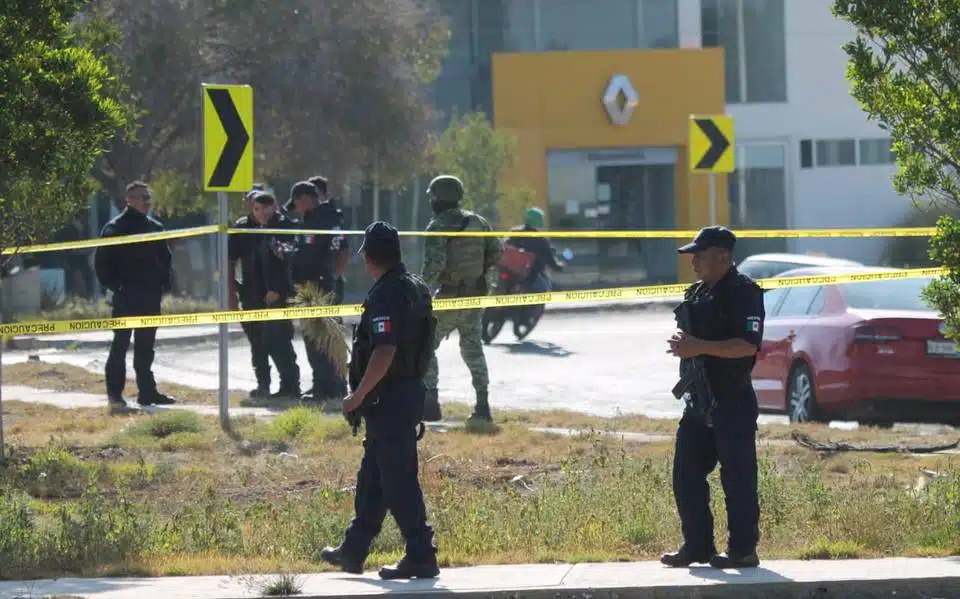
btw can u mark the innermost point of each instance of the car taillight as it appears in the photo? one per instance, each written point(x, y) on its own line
point(504, 276)
point(876, 334)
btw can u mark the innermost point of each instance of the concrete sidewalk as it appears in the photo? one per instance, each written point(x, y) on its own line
point(179, 336)
point(902, 578)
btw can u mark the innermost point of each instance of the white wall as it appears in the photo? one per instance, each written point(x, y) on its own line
point(820, 107)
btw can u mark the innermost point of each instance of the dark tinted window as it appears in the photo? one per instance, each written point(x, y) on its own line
point(806, 153)
point(897, 294)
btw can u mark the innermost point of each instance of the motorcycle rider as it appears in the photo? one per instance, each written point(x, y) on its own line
point(545, 256)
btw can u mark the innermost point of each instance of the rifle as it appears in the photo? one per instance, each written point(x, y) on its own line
point(693, 384)
point(358, 365)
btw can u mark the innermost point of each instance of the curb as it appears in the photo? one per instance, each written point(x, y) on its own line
point(38, 343)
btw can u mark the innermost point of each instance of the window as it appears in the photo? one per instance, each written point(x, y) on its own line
point(607, 24)
point(895, 294)
point(836, 152)
point(758, 195)
point(816, 306)
point(798, 301)
point(751, 32)
point(806, 153)
point(876, 151)
point(771, 298)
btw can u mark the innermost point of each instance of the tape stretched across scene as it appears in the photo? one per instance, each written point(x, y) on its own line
point(490, 301)
point(744, 234)
point(209, 229)
point(108, 241)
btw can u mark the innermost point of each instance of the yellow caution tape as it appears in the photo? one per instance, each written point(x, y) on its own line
point(491, 301)
point(746, 233)
point(209, 229)
point(105, 241)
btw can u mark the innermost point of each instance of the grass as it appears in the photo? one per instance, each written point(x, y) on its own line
point(86, 493)
point(69, 378)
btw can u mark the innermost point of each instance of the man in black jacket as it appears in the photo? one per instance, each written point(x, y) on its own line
point(265, 262)
point(138, 274)
point(320, 260)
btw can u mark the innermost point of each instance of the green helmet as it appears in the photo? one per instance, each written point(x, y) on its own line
point(533, 217)
point(447, 189)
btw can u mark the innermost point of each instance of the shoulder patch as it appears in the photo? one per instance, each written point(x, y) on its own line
point(753, 324)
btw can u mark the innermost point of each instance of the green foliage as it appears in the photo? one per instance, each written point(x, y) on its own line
point(57, 110)
point(473, 150)
point(905, 72)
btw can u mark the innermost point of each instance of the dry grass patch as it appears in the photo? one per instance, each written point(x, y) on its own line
point(172, 494)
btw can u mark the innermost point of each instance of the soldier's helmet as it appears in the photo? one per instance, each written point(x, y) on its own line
point(447, 189)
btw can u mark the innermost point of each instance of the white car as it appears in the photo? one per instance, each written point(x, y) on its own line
point(766, 266)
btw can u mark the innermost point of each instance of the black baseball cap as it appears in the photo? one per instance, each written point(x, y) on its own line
point(710, 237)
point(380, 235)
point(301, 188)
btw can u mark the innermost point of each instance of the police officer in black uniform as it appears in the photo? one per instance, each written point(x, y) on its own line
point(238, 246)
point(138, 274)
point(395, 342)
point(320, 260)
point(265, 265)
point(727, 328)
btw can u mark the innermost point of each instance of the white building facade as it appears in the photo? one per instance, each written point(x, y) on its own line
point(807, 155)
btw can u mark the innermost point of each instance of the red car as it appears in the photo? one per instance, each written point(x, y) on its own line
point(869, 352)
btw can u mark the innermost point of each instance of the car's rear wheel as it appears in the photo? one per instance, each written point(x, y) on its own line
point(802, 396)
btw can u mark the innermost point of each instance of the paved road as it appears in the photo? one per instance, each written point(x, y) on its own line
point(599, 364)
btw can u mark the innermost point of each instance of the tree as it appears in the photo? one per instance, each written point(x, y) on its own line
point(56, 114)
point(905, 71)
point(338, 85)
point(470, 148)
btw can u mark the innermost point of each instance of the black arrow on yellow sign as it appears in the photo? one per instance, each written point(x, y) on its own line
point(237, 138)
point(718, 144)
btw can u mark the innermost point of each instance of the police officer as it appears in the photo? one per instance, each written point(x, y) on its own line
point(329, 204)
point(727, 328)
point(238, 246)
point(265, 265)
point(319, 261)
point(460, 267)
point(392, 346)
point(138, 274)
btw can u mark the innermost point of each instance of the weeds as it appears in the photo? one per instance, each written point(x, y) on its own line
point(285, 585)
point(130, 500)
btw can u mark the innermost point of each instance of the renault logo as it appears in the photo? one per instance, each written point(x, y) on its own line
point(620, 87)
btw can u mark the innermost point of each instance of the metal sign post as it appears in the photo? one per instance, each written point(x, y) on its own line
point(227, 166)
point(224, 288)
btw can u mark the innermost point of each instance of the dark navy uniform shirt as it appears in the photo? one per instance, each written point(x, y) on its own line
point(731, 309)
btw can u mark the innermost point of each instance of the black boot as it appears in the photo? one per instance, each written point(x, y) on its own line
point(261, 392)
point(481, 411)
point(335, 556)
point(431, 407)
point(408, 568)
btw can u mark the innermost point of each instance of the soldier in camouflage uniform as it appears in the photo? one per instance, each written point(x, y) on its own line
point(460, 267)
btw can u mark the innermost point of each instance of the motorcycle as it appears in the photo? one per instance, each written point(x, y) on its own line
point(510, 277)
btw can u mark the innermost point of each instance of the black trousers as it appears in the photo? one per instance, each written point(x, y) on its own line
point(259, 356)
point(272, 340)
point(698, 450)
point(388, 481)
point(133, 302)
